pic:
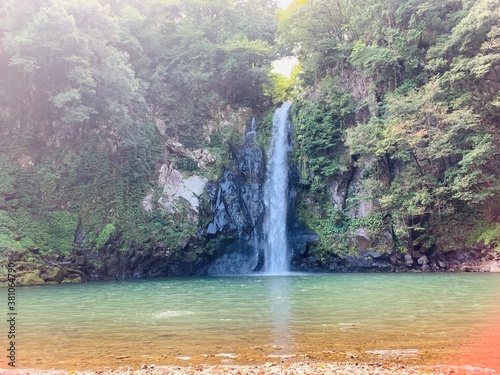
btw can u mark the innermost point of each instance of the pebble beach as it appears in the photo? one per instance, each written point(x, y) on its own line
point(298, 368)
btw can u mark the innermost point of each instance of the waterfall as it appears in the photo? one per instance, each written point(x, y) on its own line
point(276, 195)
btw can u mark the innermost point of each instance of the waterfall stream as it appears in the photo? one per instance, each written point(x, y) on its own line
point(276, 195)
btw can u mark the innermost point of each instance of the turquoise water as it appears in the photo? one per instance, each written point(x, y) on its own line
point(411, 317)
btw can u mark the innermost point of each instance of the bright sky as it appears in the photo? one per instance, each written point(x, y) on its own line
point(286, 64)
point(284, 3)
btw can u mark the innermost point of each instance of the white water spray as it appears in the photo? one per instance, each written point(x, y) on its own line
point(276, 196)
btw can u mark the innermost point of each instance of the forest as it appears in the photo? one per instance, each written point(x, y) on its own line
point(403, 91)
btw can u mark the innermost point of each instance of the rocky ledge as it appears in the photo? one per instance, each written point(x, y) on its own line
point(464, 260)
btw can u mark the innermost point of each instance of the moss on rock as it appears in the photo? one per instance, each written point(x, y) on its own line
point(30, 278)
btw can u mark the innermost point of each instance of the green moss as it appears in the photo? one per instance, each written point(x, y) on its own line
point(6, 174)
point(51, 232)
point(186, 164)
point(265, 129)
point(491, 236)
point(172, 230)
point(105, 235)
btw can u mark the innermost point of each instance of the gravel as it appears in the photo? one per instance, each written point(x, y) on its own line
point(298, 368)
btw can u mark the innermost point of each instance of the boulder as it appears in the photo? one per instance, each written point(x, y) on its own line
point(54, 274)
point(362, 237)
point(408, 260)
point(29, 279)
point(423, 260)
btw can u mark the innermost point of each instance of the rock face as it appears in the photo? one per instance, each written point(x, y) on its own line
point(176, 186)
point(236, 211)
point(465, 260)
point(299, 239)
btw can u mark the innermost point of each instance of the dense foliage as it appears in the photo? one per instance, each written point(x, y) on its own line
point(83, 84)
point(411, 89)
point(397, 104)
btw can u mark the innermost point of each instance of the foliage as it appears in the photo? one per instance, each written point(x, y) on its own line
point(51, 233)
point(105, 235)
point(422, 80)
point(319, 126)
point(492, 236)
point(282, 88)
point(186, 164)
point(83, 84)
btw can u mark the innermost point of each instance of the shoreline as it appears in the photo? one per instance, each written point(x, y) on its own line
point(274, 368)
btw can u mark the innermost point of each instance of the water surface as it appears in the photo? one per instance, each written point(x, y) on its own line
point(407, 318)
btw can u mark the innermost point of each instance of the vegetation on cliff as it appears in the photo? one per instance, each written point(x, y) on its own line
point(396, 119)
point(89, 93)
point(406, 93)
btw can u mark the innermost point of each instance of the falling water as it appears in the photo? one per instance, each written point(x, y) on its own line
point(276, 195)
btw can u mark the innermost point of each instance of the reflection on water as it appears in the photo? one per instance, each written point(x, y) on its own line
point(254, 319)
point(279, 297)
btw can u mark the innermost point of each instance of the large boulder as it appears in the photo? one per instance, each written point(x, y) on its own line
point(52, 274)
point(30, 279)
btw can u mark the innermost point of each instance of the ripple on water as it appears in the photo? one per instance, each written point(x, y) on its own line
point(374, 317)
point(171, 314)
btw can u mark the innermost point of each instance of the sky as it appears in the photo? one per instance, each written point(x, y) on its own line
point(286, 64)
point(284, 3)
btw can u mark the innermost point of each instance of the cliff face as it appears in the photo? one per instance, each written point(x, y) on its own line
point(236, 211)
point(90, 217)
point(374, 211)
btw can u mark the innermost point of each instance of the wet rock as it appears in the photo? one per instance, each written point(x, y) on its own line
point(370, 254)
point(299, 239)
point(236, 211)
point(495, 267)
point(76, 280)
point(442, 264)
point(235, 262)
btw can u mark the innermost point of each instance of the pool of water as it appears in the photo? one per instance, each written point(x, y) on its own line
point(406, 318)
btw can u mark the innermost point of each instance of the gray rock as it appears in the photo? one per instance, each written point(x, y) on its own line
point(234, 263)
point(299, 238)
point(175, 188)
point(408, 260)
point(423, 260)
